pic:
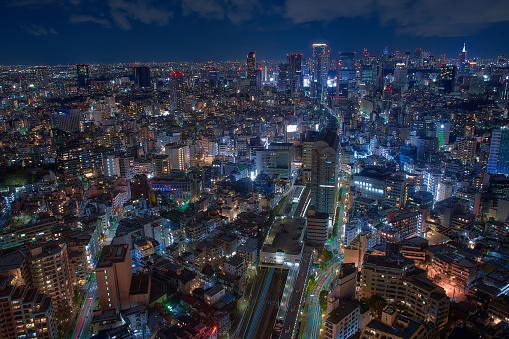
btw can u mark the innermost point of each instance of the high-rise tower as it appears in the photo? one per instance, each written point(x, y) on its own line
point(142, 76)
point(498, 162)
point(251, 68)
point(295, 64)
point(83, 76)
point(320, 68)
point(178, 90)
point(324, 172)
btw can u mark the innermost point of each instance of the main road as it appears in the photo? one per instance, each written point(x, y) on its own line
point(83, 324)
point(314, 314)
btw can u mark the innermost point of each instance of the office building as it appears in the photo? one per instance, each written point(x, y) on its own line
point(498, 162)
point(67, 120)
point(177, 91)
point(142, 76)
point(320, 69)
point(426, 148)
point(317, 227)
point(114, 273)
point(25, 312)
point(251, 68)
point(384, 276)
point(41, 76)
point(295, 71)
point(447, 78)
point(276, 160)
point(324, 172)
point(83, 72)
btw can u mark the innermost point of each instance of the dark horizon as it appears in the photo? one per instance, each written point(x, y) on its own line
point(53, 32)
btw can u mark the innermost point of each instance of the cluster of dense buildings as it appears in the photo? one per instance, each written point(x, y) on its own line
point(156, 190)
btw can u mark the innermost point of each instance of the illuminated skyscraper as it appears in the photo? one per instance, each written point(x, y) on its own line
point(41, 76)
point(142, 76)
point(295, 64)
point(320, 68)
point(365, 57)
point(462, 57)
point(178, 90)
point(83, 76)
point(447, 78)
point(251, 68)
point(324, 172)
point(498, 162)
point(442, 133)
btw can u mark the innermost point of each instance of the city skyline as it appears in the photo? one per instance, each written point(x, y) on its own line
point(61, 32)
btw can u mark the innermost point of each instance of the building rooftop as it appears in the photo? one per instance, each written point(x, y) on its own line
point(344, 308)
point(140, 284)
point(403, 327)
point(285, 236)
point(112, 254)
point(235, 261)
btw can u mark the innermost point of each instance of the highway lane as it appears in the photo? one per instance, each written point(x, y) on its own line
point(84, 322)
point(314, 315)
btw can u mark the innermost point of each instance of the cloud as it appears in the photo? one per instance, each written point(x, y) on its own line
point(31, 3)
point(237, 11)
point(76, 19)
point(122, 11)
point(38, 30)
point(415, 17)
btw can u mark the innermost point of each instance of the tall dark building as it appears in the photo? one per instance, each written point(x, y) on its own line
point(320, 68)
point(295, 71)
point(447, 78)
point(178, 90)
point(142, 76)
point(41, 76)
point(346, 61)
point(83, 76)
point(251, 68)
point(324, 172)
point(284, 80)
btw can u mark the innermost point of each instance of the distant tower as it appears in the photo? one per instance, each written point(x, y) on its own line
point(41, 76)
point(178, 90)
point(447, 78)
point(462, 61)
point(83, 76)
point(251, 68)
point(365, 57)
point(295, 63)
point(463, 54)
point(142, 76)
point(320, 68)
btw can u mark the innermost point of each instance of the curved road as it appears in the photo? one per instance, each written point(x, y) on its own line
point(314, 314)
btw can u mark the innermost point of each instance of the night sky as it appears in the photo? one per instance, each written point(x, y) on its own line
point(106, 31)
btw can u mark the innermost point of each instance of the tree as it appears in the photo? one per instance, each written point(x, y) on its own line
point(323, 300)
point(377, 304)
